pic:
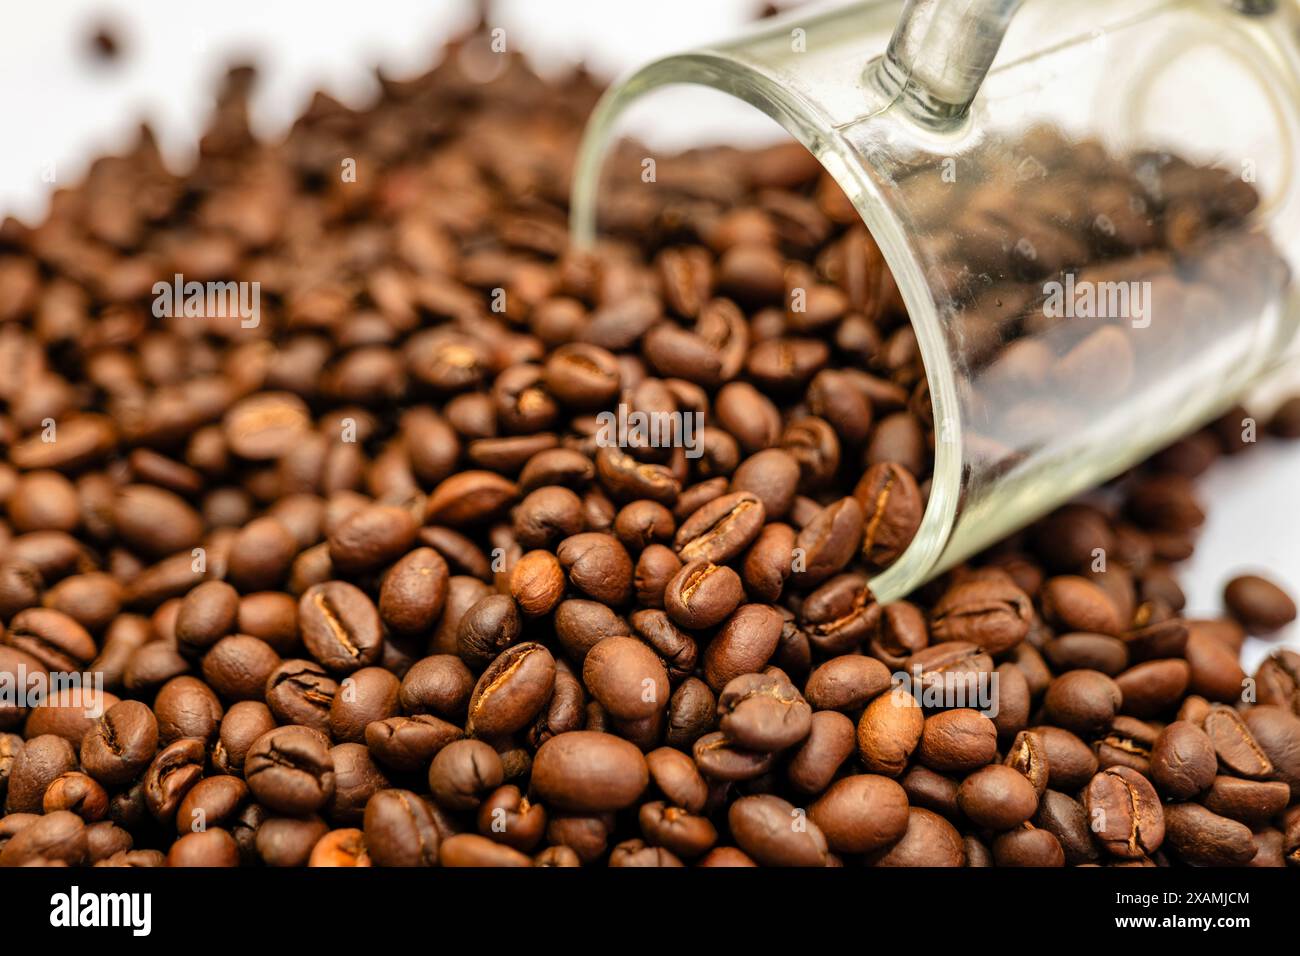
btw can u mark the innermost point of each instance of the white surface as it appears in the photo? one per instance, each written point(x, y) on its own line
point(59, 107)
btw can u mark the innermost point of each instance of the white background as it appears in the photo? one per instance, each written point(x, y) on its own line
point(59, 107)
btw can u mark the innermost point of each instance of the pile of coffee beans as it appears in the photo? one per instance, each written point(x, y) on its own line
point(369, 578)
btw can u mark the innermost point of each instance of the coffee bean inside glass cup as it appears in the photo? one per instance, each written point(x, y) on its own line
point(461, 545)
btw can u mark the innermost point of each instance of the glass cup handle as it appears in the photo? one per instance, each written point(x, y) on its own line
point(939, 55)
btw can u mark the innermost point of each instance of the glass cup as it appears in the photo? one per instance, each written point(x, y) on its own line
point(1090, 211)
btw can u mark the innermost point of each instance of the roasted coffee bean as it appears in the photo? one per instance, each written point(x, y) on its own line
point(1083, 701)
point(998, 797)
point(1153, 687)
point(627, 678)
point(242, 724)
point(1183, 761)
point(1067, 820)
point(848, 682)
point(1076, 604)
point(290, 770)
point(1250, 801)
point(400, 830)
point(508, 816)
point(598, 566)
point(720, 759)
point(1127, 743)
point(702, 594)
point(744, 643)
point(207, 614)
point(171, 775)
point(589, 772)
point(513, 689)
point(957, 740)
point(367, 695)
point(78, 793)
point(1259, 604)
point(892, 510)
point(121, 745)
point(1096, 652)
point(345, 847)
point(213, 801)
point(340, 626)
point(1127, 817)
point(764, 826)
point(300, 692)
point(356, 779)
point(238, 667)
point(414, 592)
point(929, 840)
point(992, 614)
point(1028, 846)
point(187, 707)
point(1234, 744)
point(691, 712)
point(826, 543)
point(58, 837)
point(1203, 838)
point(838, 615)
point(956, 665)
point(889, 731)
point(721, 529)
point(409, 743)
point(763, 712)
point(1276, 731)
point(487, 628)
point(463, 772)
point(371, 537)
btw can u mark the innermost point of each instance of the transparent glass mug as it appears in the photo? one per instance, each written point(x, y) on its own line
point(1068, 327)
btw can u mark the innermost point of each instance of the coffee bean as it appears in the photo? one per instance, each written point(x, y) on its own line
point(242, 724)
point(300, 692)
point(1234, 744)
point(1275, 731)
point(122, 743)
point(746, 641)
point(1076, 604)
point(1082, 701)
point(1067, 820)
point(187, 707)
point(1127, 818)
point(626, 677)
point(171, 775)
point(929, 840)
point(508, 816)
point(763, 712)
point(1250, 801)
point(892, 510)
point(848, 682)
point(774, 833)
point(589, 772)
point(512, 690)
point(1259, 604)
point(992, 614)
point(889, 731)
point(598, 566)
point(861, 813)
point(702, 594)
point(957, 740)
point(340, 626)
point(487, 628)
point(290, 770)
point(414, 592)
point(400, 830)
point(1183, 761)
point(1203, 838)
